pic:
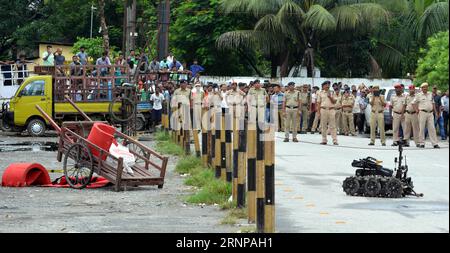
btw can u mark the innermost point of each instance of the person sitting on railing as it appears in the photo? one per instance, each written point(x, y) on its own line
point(103, 62)
point(76, 68)
point(176, 64)
point(154, 65)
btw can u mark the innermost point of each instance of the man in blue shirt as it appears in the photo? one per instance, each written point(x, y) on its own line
point(82, 56)
point(176, 64)
point(196, 70)
point(276, 112)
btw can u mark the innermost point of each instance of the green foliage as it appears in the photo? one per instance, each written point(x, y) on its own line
point(215, 192)
point(433, 65)
point(196, 26)
point(187, 163)
point(94, 47)
point(169, 148)
point(200, 177)
point(162, 136)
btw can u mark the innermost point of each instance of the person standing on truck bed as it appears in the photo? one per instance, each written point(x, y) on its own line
point(48, 57)
point(83, 56)
point(59, 62)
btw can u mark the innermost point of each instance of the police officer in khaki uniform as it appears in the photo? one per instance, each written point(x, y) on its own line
point(235, 100)
point(398, 102)
point(181, 104)
point(338, 107)
point(347, 102)
point(424, 105)
point(326, 101)
point(291, 110)
point(305, 99)
point(257, 100)
point(197, 96)
point(411, 118)
point(376, 100)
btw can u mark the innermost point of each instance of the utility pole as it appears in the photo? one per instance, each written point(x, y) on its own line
point(92, 17)
point(163, 28)
point(129, 30)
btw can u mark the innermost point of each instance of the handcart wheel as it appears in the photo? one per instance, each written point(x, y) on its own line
point(127, 109)
point(78, 166)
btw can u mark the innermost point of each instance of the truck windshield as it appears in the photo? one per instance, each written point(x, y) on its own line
point(35, 88)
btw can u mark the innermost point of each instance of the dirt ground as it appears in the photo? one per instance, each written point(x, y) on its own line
point(141, 209)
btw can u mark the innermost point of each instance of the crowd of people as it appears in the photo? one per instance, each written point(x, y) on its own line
point(336, 109)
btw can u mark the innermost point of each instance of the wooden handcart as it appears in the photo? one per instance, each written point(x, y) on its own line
point(79, 163)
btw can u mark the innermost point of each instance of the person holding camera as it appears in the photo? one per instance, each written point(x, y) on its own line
point(376, 100)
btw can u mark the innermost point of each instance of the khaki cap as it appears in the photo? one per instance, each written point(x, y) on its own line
point(424, 85)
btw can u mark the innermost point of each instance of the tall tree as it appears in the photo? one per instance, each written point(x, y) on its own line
point(288, 27)
point(104, 27)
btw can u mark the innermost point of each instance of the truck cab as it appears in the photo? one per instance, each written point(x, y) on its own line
point(22, 114)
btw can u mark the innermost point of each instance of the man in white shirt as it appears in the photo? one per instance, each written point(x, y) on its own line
point(48, 57)
point(157, 98)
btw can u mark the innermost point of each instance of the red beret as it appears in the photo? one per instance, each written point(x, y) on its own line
point(412, 87)
point(397, 85)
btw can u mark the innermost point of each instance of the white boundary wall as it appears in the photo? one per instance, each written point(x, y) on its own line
point(383, 83)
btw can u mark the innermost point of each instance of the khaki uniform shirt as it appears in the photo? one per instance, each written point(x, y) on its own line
point(377, 105)
point(181, 96)
point(292, 98)
point(257, 98)
point(338, 104)
point(425, 102)
point(398, 102)
point(409, 103)
point(305, 99)
point(197, 97)
point(348, 101)
point(325, 102)
point(235, 97)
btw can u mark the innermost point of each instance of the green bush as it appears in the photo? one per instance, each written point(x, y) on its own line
point(433, 66)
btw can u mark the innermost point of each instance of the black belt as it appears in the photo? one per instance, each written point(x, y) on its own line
point(292, 107)
point(331, 108)
point(377, 111)
point(398, 112)
point(411, 112)
point(426, 111)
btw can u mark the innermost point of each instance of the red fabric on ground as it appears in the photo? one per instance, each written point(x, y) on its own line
point(34, 174)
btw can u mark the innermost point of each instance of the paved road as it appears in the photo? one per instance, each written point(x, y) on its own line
point(309, 194)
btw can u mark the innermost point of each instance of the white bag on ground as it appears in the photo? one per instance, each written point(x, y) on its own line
point(121, 151)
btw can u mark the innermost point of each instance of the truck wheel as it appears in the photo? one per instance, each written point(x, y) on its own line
point(36, 127)
point(4, 126)
point(140, 124)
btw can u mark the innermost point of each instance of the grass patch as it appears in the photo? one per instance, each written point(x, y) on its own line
point(251, 229)
point(188, 164)
point(169, 148)
point(162, 136)
point(200, 177)
point(234, 215)
point(214, 192)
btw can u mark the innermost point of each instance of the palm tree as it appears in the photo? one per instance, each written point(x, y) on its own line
point(294, 27)
point(414, 22)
